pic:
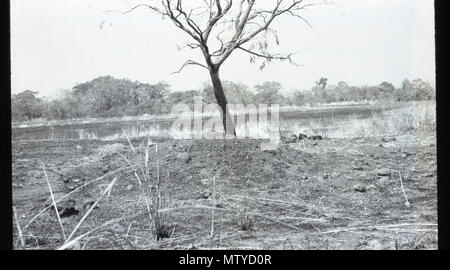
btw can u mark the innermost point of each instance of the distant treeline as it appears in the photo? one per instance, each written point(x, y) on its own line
point(110, 97)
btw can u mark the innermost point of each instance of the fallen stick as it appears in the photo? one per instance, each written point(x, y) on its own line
point(403, 190)
point(78, 238)
point(91, 208)
point(54, 203)
point(378, 227)
point(73, 191)
point(214, 205)
point(18, 227)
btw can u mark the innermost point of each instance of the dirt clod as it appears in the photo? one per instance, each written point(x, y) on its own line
point(205, 194)
point(302, 136)
point(385, 140)
point(360, 188)
point(383, 172)
point(185, 157)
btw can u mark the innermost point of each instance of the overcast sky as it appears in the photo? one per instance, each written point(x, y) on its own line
point(56, 44)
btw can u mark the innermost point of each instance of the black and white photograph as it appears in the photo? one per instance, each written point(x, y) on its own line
point(223, 125)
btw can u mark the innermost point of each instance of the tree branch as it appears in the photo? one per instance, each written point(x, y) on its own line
point(169, 13)
point(215, 18)
point(247, 21)
point(270, 56)
point(189, 63)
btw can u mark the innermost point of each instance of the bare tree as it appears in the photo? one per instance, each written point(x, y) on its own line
point(219, 27)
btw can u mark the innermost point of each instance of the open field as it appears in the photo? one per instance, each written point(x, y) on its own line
point(370, 183)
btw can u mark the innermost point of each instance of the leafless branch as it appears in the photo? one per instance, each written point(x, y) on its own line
point(189, 63)
point(270, 56)
point(188, 45)
point(142, 5)
point(245, 22)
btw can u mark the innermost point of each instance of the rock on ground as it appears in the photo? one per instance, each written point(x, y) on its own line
point(360, 188)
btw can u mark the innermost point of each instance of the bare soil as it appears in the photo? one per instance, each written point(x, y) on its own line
point(311, 194)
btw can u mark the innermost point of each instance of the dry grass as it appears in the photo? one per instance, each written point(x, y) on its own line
point(38, 122)
point(131, 132)
point(415, 117)
point(419, 116)
point(153, 190)
point(85, 135)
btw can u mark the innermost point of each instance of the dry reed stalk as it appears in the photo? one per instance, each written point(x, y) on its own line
point(128, 230)
point(73, 191)
point(403, 190)
point(145, 175)
point(129, 141)
point(18, 227)
point(214, 205)
point(377, 227)
point(132, 166)
point(78, 238)
point(53, 200)
point(92, 208)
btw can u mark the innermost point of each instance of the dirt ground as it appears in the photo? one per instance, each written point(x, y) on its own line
point(360, 193)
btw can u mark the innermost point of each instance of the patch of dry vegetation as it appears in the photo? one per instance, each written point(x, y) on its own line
point(415, 117)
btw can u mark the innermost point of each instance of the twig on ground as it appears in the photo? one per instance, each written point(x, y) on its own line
point(54, 203)
point(214, 205)
point(132, 166)
point(128, 230)
point(377, 227)
point(403, 190)
point(92, 208)
point(78, 238)
point(73, 191)
point(18, 227)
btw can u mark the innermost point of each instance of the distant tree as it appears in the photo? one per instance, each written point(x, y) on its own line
point(150, 98)
point(309, 98)
point(56, 110)
point(322, 83)
point(26, 106)
point(386, 90)
point(236, 93)
point(66, 106)
point(299, 98)
point(107, 96)
point(186, 97)
point(338, 92)
point(342, 92)
point(319, 89)
point(361, 92)
point(269, 93)
point(405, 92)
point(422, 90)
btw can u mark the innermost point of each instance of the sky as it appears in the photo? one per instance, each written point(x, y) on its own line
point(56, 44)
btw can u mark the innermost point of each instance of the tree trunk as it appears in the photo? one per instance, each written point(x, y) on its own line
point(227, 120)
